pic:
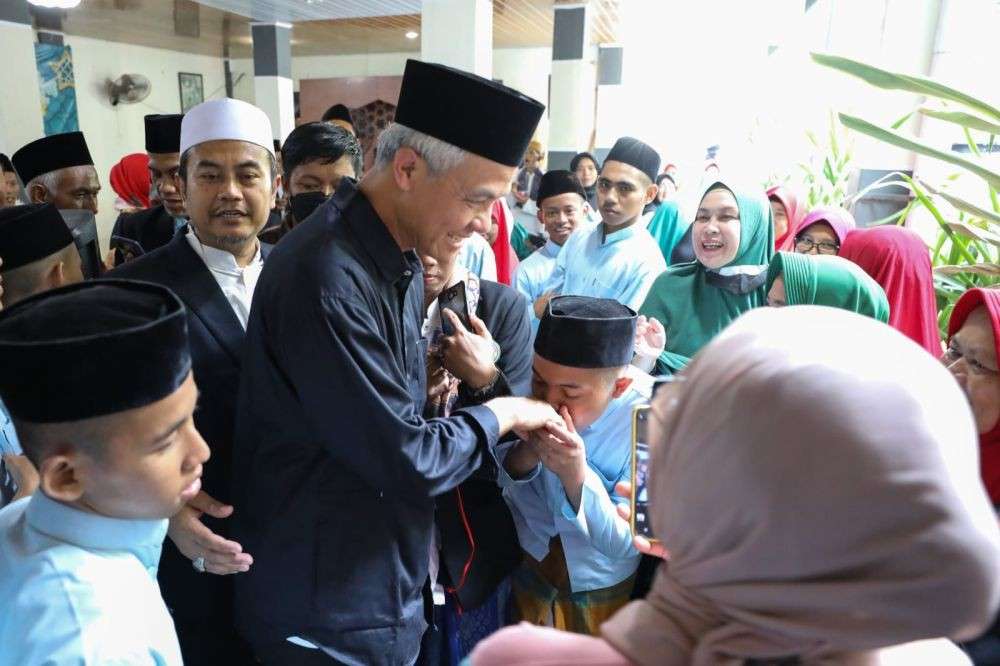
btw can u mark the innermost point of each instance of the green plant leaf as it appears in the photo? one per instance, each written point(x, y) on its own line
point(989, 270)
point(886, 80)
point(899, 123)
point(963, 205)
point(957, 245)
point(900, 141)
point(966, 120)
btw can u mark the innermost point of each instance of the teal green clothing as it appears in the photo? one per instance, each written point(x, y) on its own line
point(828, 280)
point(695, 303)
point(667, 228)
point(519, 241)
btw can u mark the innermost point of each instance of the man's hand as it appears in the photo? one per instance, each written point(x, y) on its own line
point(521, 415)
point(109, 261)
point(469, 354)
point(521, 196)
point(195, 540)
point(439, 381)
point(641, 543)
point(542, 303)
point(562, 451)
point(24, 474)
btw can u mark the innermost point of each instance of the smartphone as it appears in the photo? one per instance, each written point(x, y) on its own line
point(453, 298)
point(640, 473)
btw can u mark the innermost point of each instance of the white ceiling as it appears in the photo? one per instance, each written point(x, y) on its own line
point(288, 11)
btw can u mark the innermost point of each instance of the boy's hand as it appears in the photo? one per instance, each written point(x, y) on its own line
point(642, 544)
point(562, 451)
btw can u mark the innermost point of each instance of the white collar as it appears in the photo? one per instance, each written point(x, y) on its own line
point(218, 260)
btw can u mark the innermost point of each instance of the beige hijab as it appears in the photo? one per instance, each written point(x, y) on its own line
point(817, 486)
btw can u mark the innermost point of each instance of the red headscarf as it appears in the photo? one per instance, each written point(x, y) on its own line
point(791, 204)
point(839, 219)
point(130, 179)
point(989, 443)
point(898, 260)
point(502, 250)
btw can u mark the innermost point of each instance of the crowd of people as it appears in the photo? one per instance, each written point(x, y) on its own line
point(317, 411)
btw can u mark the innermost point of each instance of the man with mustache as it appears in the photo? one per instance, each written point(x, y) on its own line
point(136, 234)
point(229, 179)
point(617, 258)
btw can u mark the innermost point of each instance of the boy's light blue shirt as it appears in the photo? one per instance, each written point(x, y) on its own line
point(80, 588)
point(622, 266)
point(597, 542)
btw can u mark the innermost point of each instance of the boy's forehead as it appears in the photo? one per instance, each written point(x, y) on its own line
point(557, 373)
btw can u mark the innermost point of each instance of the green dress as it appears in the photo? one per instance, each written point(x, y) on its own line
point(828, 280)
point(694, 303)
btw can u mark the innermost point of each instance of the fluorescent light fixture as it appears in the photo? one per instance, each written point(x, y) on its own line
point(412, 34)
point(55, 4)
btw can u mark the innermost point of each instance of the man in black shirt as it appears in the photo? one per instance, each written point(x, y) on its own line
point(335, 469)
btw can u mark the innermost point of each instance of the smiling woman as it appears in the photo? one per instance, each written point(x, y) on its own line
point(733, 240)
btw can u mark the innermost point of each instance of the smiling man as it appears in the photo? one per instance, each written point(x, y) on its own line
point(136, 234)
point(228, 178)
point(617, 258)
point(338, 470)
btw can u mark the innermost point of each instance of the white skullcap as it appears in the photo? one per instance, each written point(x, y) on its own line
point(226, 119)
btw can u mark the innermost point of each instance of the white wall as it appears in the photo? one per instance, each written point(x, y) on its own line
point(21, 101)
point(525, 69)
point(114, 131)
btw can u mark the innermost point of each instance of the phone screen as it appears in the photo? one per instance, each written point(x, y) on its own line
point(640, 472)
point(453, 298)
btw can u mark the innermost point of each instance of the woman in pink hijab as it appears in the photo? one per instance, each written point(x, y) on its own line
point(798, 531)
point(784, 211)
point(822, 231)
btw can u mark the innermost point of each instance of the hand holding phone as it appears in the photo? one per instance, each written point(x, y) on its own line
point(453, 298)
point(642, 544)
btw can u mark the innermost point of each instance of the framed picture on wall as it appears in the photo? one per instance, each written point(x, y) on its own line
point(192, 92)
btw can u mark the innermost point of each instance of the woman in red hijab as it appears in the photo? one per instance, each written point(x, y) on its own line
point(898, 259)
point(822, 231)
point(130, 181)
point(499, 239)
point(973, 350)
point(785, 212)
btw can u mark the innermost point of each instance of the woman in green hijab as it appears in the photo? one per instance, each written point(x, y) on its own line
point(733, 241)
point(804, 279)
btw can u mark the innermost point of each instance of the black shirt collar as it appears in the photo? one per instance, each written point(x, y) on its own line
point(372, 233)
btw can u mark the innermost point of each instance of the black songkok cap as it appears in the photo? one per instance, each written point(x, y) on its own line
point(467, 111)
point(636, 153)
point(51, 153)
point(163, 132)
point(554, 183)
point(585, 332)
point(56, 349)
point(338, 112)
point(29, 233)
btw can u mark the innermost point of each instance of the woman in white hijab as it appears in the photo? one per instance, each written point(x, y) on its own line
point(820, 502)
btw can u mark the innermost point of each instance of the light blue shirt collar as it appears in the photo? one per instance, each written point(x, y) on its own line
point(620, 235)
point(550, 249)
point(93, 532)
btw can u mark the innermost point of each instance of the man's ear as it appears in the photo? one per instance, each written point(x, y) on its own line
point(274, 190)
point(621, 385)
point(406, 164)
point(651, 193)
point(59, 478)
point(540, 216)
point(38, 193)
point(56, 276)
